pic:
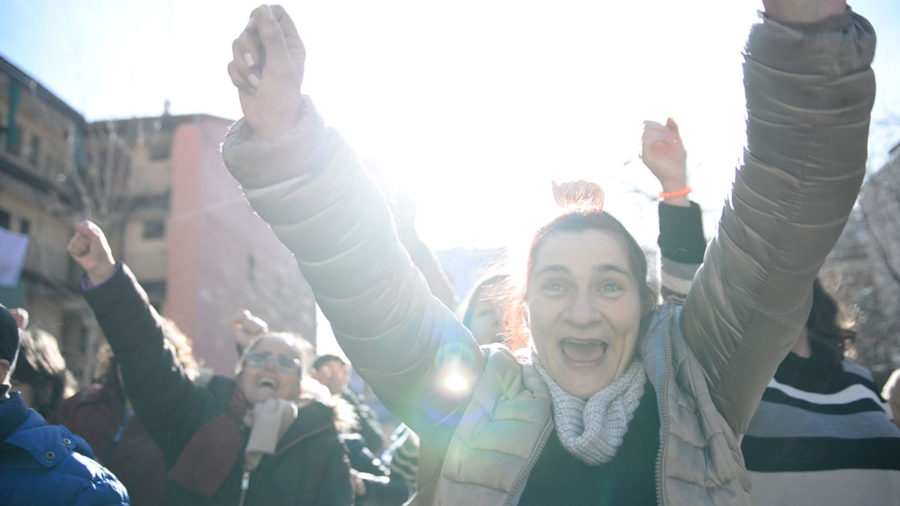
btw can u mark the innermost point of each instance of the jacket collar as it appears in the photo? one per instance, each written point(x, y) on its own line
point(312, 418)
point(12, 413)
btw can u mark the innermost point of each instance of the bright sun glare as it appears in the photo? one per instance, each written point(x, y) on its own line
point(473, 109)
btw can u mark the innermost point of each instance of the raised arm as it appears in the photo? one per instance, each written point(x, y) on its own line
point(809, 89)
point(681, 240)
point(305, 181)
point(164, 398)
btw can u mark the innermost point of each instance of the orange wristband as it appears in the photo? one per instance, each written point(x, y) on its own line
point(675, 194)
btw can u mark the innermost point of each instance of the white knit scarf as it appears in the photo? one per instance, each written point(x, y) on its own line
point(593, 430)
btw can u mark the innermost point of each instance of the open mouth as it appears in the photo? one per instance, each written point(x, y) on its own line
point(266, 383)
point(583, 351)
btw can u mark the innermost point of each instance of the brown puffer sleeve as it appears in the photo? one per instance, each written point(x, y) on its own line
point(318, 199)
point(809, 96)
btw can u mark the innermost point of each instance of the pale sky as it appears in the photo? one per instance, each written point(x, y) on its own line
point(472, 105)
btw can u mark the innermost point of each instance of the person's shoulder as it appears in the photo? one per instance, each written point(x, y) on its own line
point(315, 422)
point(92, 480)
point(851, 367)
point(316, 411)
point(664, 319)
point(91, 395)
point(51, 462)
point(48, 444)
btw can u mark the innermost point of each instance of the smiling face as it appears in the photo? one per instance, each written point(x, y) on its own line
point(260, 383)
point(584, 305)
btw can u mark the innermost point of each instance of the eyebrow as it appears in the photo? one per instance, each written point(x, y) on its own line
point(600, 268)
point(612, 268)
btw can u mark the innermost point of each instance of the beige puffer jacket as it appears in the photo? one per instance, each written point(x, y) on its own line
point(809, 94)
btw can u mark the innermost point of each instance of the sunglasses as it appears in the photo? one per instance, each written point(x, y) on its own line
point(263, 358)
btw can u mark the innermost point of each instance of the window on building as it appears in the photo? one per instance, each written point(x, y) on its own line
point(159, 150)
point(154, 229)
point(34, 151)
point(24, 226)
point(4, 219)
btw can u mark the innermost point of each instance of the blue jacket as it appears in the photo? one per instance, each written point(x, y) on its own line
point(47, 464)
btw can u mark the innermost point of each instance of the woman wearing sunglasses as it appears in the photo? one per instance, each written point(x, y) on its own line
point(248, 440)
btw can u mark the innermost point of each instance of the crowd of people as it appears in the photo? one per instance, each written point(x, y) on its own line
point(570, 380)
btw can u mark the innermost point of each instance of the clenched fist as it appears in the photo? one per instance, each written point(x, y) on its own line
point(90, 249)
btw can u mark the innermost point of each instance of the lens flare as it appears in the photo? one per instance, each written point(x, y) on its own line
point(455, 371)
point(454, 380)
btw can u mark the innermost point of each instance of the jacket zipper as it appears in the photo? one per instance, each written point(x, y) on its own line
point(663, 416)
point(245, 484)
point(532, 460)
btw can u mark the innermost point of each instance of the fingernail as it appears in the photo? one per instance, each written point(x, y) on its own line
point(270, 13)
point(254, 81)
point(248, 59)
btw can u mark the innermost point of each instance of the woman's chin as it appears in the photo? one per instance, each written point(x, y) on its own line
point(584, 387)
point(260, 395)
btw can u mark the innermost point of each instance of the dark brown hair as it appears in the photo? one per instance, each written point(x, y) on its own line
point(41, 365)
point(828, 331)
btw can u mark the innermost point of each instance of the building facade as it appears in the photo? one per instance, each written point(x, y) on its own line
point(170, 210)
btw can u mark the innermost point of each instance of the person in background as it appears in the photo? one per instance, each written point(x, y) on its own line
point(373, 482)
point(481, 311)
point(247, 327)
point(822, 434)
point(333, 372)
point(613, 400)
point(41, 375)
point(247, 440)
point(402, 455)
point(41, 463)
point(891, 393)
point(103, 415)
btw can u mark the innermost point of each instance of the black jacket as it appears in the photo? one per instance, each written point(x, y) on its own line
point(310, 465)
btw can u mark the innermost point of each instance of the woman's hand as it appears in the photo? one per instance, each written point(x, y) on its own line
point(90, 249)
point(247, 327)
point(663, 153)
point(267, 69)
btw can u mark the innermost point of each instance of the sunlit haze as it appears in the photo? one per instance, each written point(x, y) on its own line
point(472, 106)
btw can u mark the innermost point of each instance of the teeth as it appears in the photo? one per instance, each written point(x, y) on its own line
point(585, 341)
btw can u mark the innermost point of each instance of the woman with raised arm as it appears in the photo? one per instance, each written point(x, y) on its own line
point(619, 402)
point(821, 422)
point(247, 440)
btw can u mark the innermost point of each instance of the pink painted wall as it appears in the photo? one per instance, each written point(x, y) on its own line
point(222, 256)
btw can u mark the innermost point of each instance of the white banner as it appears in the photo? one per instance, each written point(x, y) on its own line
point(12, 256)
